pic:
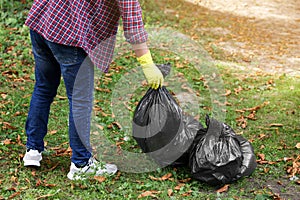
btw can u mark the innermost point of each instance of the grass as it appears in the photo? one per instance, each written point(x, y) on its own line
point(275, 142)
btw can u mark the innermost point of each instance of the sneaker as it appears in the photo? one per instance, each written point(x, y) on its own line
point(92, 168)
point(32, 158)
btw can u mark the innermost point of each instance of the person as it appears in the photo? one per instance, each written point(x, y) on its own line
point(69, 38)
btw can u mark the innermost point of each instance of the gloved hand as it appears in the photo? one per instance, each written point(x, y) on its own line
point(153, 75)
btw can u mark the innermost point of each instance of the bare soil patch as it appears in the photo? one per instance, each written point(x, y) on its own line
point(271, 40)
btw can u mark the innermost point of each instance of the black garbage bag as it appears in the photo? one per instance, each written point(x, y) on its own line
point(219, 156)
point(249, 160)
point(182, 142)
point(162, 130)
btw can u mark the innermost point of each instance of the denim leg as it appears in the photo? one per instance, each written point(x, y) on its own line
point(47, 79)
point(81, 110)
point(78, 74)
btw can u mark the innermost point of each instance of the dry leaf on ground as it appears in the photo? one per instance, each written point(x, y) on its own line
point(170, 192)
point(223, 189)
point(148, 193)
point(163, 178)
point(99, 178)
point(180, 185)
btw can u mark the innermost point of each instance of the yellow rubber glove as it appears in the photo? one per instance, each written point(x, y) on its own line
point(152, 73)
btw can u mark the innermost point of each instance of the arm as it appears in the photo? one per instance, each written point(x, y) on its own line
point(131, 13)
point(136, 35)
point(140, 49)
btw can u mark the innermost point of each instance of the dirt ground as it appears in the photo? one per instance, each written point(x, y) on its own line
point(277, 49)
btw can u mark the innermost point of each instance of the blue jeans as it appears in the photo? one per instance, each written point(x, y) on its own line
point(51, 61)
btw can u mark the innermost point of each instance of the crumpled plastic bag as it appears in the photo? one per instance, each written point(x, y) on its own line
point(219, 156)
point(162, 130)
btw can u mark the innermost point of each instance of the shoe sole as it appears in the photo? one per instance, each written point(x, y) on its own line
point(110, 170)
point(33, 163)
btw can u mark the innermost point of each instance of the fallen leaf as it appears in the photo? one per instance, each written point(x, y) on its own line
point(108, 74)
point(242, 122)
point(276, 125)
point(266, 169)
point(261, 136)
point(277, 197)
point(148, 193)
point(72, 186)
point(270, 82)
point(223, 189)
point(228, 92)
point(226, 103)
point(261, 156)
point(295, 168)
point(19, 141)
point(188, 193)
point(18, 113)
point(14, 195)
point(3, 95)
point(10, 72)
point(52, 168)
point(145, 83)
point(8, 126)
point(99, 126)
point(104, 114)
point(119, 143)
point(117, 177)
point(14, 179)
point(166, 176)
point(262, 146)
point(53, 132)
point(255, 108)
point(179, 65)
point(163, 178)
point(286, 159)
point(49, 185)
point(185, 87)
point(103, 90)
point(185, 180)
point(238, 90)
point(61, 97)
point(170, 192)
point(33, 173)
point(117, 124)
point(45, 196)
point(12, 189)
point(100, 178)
point(7, 141)
point(154, 178)
point(38, 182)
point(180, 185)
point(252, 116)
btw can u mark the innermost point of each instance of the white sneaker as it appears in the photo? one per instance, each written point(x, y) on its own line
point(32, 158)
point(92, 168)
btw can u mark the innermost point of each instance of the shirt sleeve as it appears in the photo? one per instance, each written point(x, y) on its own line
point(133, 25)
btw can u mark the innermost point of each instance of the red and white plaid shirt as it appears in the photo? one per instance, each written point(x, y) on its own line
point(89, 24)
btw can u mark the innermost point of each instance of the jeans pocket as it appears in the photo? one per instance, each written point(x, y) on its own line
point(67, 55)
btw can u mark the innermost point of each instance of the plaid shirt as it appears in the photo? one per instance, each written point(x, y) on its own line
point(89, 24)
